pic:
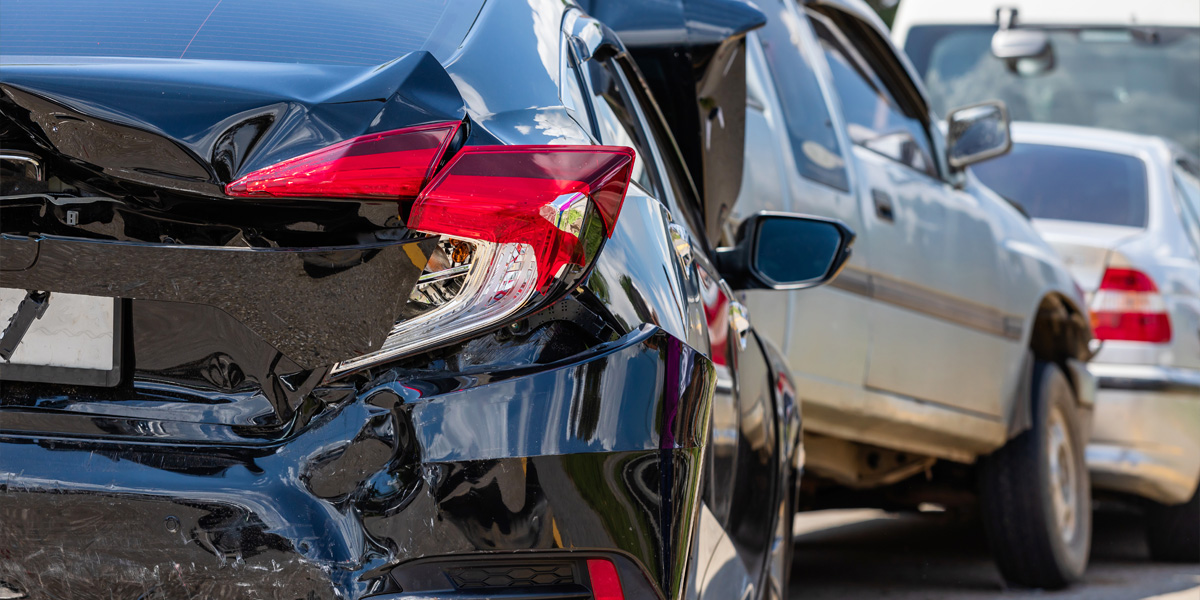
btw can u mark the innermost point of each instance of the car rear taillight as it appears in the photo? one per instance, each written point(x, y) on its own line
point(392, 164)
point(512, 220)
point(1128, 307)
point(532, 195)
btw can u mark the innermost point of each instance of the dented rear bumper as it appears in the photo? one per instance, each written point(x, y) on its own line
point(594, 455)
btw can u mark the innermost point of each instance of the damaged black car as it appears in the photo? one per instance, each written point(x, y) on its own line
point(394, 300)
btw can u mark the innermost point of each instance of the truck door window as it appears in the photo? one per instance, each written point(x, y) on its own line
point(814, 143)
point(874, 118)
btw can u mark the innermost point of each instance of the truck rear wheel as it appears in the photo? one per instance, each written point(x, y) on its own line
point(1035, 493)
point(1173, 532)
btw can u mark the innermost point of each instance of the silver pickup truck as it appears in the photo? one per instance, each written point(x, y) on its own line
point(946, 364)
point(1119, 208)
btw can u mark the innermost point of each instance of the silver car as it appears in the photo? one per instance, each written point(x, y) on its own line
point(1124, 212)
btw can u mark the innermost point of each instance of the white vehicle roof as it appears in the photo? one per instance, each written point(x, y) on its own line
point(1176, 13)
point(1095, 138)
point(1159, 152)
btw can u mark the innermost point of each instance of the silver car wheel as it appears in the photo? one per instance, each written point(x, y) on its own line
point(1064, 482)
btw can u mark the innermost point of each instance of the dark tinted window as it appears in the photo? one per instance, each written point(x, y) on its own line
point(874, 119)
point(810, 128)
point(358, 32)
point(1070, 184)
point(683, 201)
point(617, 122)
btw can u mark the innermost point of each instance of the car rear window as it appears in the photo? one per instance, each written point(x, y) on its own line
point(1070, 184)
point(357, 32)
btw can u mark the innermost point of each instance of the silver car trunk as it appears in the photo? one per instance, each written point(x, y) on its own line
point(1085, 247)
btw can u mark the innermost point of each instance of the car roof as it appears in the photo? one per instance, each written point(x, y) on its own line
point(1121, 142)
point(1163, 13)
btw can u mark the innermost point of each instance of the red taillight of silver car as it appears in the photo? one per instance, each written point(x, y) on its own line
point(1129, 307)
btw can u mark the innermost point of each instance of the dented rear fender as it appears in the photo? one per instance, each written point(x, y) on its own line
point(582, 456)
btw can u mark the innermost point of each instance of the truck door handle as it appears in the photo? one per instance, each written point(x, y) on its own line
point(883, 206)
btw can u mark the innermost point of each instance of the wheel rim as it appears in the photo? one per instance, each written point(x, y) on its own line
point(1064, 475)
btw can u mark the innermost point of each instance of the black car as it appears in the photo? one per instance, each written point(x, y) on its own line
point(383, 299)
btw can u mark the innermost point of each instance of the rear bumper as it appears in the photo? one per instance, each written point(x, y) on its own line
point(593, 456)
point(1146, 431)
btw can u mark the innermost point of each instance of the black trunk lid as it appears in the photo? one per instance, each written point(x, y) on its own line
point(116, 190)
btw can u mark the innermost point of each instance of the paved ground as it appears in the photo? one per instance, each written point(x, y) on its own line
point(869, 554)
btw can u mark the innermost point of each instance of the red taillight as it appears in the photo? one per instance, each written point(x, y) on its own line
point(1127, 280)
point(606, 585)
point(1128, 307)
point(510, 217)
point(393, 164)
point(534, 195)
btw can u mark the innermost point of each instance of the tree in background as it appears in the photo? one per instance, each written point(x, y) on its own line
point(886, 9)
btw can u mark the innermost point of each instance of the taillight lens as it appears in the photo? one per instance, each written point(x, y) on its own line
point(538, 196)
point(512, 219)
point(1128, 307)
point(391, 164)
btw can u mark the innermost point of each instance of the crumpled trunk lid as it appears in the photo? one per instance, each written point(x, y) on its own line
point(117, 190)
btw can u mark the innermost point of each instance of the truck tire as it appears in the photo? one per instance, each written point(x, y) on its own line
point(1173, 532)
point(1035, 493)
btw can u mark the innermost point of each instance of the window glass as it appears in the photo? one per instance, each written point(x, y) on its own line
point(362, 32)
point(814, 143)
point(874, 119)
point(616, 121)
point(682, 200)
point(1142, 79)
point(1070, 184)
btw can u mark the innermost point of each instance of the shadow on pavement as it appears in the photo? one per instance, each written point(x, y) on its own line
point(871, 554)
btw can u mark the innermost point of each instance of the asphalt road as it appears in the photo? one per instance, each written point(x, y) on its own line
point(852, 554)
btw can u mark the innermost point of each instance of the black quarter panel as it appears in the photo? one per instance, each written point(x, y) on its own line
point(757, 472)
point(580, 430)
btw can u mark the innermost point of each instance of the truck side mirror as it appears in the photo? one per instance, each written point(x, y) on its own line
point(976, 133)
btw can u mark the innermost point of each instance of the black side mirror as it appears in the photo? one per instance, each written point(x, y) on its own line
point(780, 251)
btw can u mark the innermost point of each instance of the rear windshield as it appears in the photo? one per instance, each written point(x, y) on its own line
point(1070, 184)
point(347, 32)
